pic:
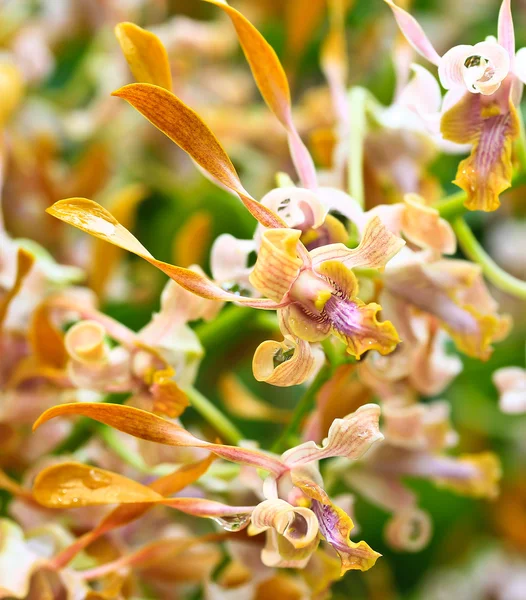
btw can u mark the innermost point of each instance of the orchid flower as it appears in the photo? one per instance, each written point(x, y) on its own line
point(484, 83)
point(296, 509)
point(315, 292)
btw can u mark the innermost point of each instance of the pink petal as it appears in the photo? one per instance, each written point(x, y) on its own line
point(452, 64)
point(414, 34)
point(506, 33)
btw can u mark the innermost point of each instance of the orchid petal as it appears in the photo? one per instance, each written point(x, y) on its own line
point(506, 35)
point(414, 34)
point(86, 343)
point(451, 65)
point(122, 206)
point(94, 219)
point(24, 264)
point(511, 384)
point(350, 437)
point(145, 54)
point(487, 172)
point(409, 531)
point(47, 342)
point(278, 264)
point(168, 398)
point(350, 318)
point(484, 474)
point(520, 64)
point(184, 127)
point(273, 85)
point(193, 239)
point(298, 207)
point(377, 246)
point(147, 426)
point(422, 225)
point(336, 526)
point(298, 525)
point(126, 513)
point(302, 326)
point(229, 259)
point(422, 92)
point(279, 552)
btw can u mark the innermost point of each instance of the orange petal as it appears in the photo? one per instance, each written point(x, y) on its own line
point(122, 205)
point(168, 398)
point(487, 171)
point(47, 342)
point(73, 485)
point(145, 54)
point(96, 220)
point(193, 240)
point(273, 85)
point(148, 426)
point(11, 90)
point(184, 127)
point(24, 263)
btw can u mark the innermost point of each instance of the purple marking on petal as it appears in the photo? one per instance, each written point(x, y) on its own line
point(328, 523)
point(345, 317)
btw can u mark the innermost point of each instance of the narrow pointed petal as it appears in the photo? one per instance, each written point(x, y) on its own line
point(123, 206)
point(298, 525)
point(278, 264)
point(145, 54)
point(184, 127)
point(148, 426)
point(487, 172)
point(126, 513)
point(414, 34)
point(506, 36)
point(377, 246)
point(273, 85)
point(24, 263)
point(97, 221)
point(350, 437)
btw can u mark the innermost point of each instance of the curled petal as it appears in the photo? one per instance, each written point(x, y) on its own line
point(273, 85)
point(414, 34)
point(145, 54)
point(297, 525)
point(24, 263)
point(184, 127)
point(423, 226)
point(336, 526)
point(279, 552)
point(376, 248)
point(86, 343)
point(278, 264)
point(451, 65)
point(94, 219)
point(409, 531)
point(147, 426)
point(511, 384)
point(487, 172)
point(350, 437)
point(298, 207)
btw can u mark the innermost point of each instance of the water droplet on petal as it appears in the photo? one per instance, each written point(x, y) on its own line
point(233, 522)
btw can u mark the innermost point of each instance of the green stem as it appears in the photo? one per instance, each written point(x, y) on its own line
point(228, 322)
point(357, 104)
point(212, 415)
point(474, 251)
point(112, 440)
point(305, 405)
point(520, 144)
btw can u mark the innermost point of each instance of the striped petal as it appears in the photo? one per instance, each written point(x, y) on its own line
point(94, 219)
point(273, 85)
point(350, 437)
point(148, 426)
point(376, 248)
point(184, 127)
point(278, 264)
point(487, 172)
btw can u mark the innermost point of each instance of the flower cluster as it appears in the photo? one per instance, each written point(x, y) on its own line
point(122, 477)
